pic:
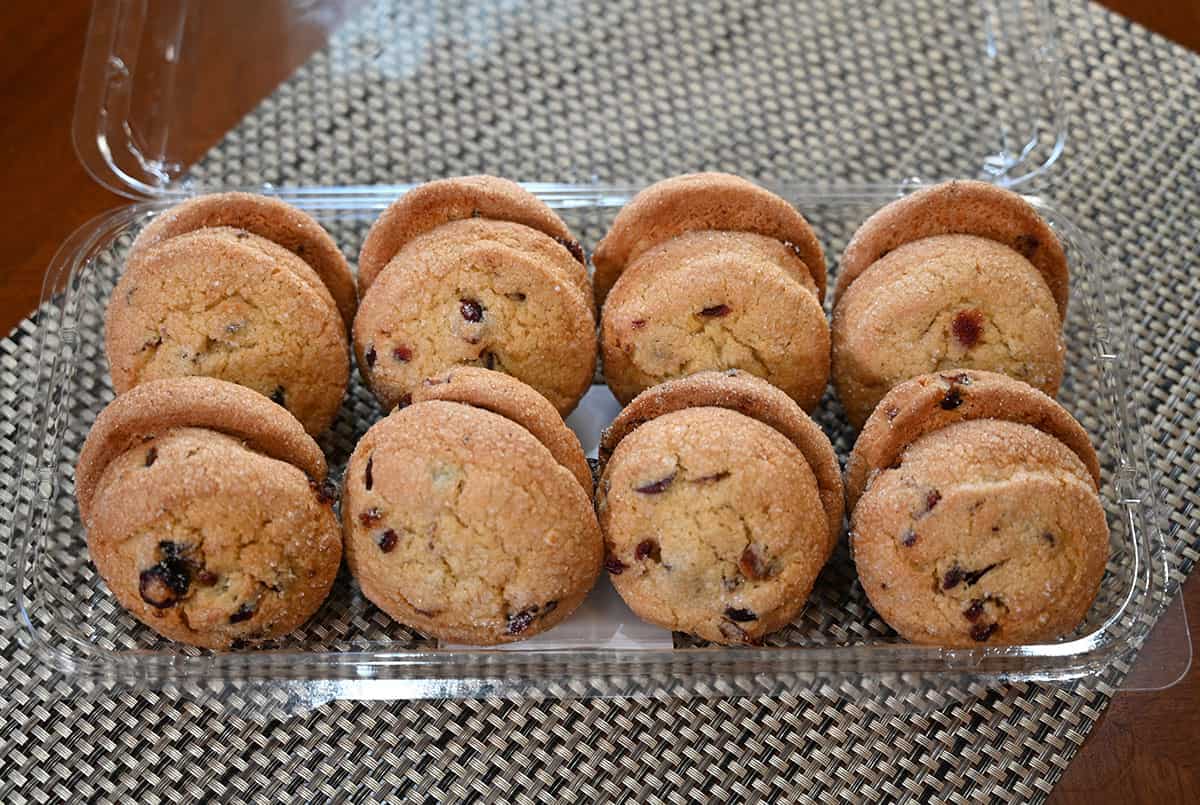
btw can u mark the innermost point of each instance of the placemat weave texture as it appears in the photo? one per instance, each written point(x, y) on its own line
point(1130, 175)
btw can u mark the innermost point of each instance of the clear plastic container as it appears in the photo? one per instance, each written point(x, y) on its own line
point(133, 100)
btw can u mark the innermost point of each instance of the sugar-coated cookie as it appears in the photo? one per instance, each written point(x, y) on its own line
point(711, 272)
point(226, 303)
point(975, 513)
point(207, 512)
point(719, 503)
point(462, 523)
point(459, 290)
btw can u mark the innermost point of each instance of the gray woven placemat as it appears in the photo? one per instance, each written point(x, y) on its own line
point(1131, 174)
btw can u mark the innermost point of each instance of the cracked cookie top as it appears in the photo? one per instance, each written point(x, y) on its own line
point(229, 304)
point(939, 303)
point(460, 523)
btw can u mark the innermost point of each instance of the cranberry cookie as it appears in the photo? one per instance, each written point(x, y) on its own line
point(468, 519)
point(207, 512)
point(474, 271)
point(975, 512)
point(961, 275)
point(224, 302)
point(720, 501)
point(710, 272)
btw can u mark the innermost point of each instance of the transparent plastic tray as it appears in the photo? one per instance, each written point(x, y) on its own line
point(143, 82)
point(77, 626)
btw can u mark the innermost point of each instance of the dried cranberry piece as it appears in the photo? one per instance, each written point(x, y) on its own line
point(151, 456)
point(932, 499)
point(614, 565)
point(648, 548)
point(370, 355)
point(520, 622)
point(573, 247)
point(387, 540)
point(974, 576)
point(967, 326)
point(637, 324)
point(244, 613)
point(655, 487)
point(716, 311)
point(740, 615)
point(162, 585)
point(279, 396)
point(368, 479)
point(953, 578)
point(370, 517)
point(908, 538)
point(402, 354)
point(752, 565)
point(711, 479)
point(980, 632)
point(952, 400)
point(973, 611)
point(470, 310)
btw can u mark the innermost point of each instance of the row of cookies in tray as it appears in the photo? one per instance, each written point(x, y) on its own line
point(698, 272)
point(467, 511)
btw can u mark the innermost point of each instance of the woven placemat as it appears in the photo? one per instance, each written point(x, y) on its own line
point(1131, 175)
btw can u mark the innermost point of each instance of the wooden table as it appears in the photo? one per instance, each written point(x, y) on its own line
point(1143, 749)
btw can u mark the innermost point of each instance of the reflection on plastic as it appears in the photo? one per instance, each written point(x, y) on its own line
point(1166, 655)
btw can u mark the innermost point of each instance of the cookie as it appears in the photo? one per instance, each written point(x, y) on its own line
point(716, 522)
point(960, 207)
point(748, 395)
point(487, 293)
point(267, 217)
point(210, 529)
point(929, 402)
point(459, 522)
point(944, 302)
point(702, 201)
point(512, 399)
point(429, 206)
point(712, 300)
point(984, 526)
point(225, 303)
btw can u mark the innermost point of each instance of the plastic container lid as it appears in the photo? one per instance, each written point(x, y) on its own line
point(607, 92)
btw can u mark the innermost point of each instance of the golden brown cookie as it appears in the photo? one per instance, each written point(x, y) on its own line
point(929, 402)
point(429, 206)
point(980, 520)
point(753, 397)
point(716, 522)
point(486, 293)
point(714, 300)
point(208, 529)
point(960, 207)
point(512, 399)
point(461, 523)
point(988, 532)
point(267, 217)
point(939, 303)
point(225, 303)
point(702, 201)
